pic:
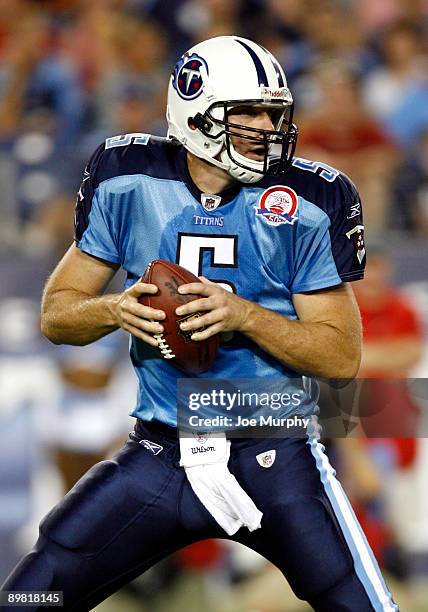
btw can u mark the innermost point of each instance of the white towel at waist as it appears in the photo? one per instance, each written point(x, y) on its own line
point(213, 484)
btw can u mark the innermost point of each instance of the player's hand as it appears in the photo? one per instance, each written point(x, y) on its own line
point(225, 311)
point(140, 321)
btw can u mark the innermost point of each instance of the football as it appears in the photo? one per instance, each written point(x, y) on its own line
point(175, 344)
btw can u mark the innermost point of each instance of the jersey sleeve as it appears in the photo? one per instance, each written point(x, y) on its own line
point(335, 194)
point(94, 221)
point(314, 266)
point(344, 209)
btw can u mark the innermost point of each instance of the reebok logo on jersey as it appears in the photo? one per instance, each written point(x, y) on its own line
point(152, 446)
point(267, 459)
point(278, 205)
point(354, 210)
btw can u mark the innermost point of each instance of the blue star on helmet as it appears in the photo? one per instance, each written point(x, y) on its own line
point(187, 77)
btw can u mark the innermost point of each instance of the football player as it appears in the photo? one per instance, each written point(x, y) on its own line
point(277, 240)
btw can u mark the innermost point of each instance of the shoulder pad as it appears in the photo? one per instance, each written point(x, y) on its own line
point(335, 193)
point(133, 154)
point(120, 156)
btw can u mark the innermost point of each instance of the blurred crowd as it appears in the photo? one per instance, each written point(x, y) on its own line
point(73, 72)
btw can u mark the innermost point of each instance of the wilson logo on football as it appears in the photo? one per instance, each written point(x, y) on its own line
point(278, 205)
point(187, 334)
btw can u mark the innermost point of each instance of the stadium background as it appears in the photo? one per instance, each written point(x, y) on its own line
point(72, 73)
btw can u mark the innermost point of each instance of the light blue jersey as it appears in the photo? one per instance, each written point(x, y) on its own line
point(266, 242)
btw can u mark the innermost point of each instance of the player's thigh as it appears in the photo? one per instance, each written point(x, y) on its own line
point(302, 539)
point(112, 500)
point(306, 542)
point(316, 543)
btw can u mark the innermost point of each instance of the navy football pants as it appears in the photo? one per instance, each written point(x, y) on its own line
point(126, 514)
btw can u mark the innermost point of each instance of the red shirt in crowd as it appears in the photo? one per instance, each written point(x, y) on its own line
point(393, 413)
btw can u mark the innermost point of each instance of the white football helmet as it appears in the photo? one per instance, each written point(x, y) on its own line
point(207, 82)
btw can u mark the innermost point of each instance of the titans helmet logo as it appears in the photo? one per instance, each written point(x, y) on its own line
point(187, 78)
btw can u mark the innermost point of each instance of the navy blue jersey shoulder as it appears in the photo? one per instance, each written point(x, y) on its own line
point(316, 182)
point(337, 196)
point(124, 155)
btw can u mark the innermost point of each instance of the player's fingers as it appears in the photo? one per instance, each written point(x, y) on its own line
point(208, 332)
point(150, 327)
point(206, 281)
point(197, 322)
point(140, 288)
point(145, 312)
point(195, 306)
point(138, 333)
point(199, 288)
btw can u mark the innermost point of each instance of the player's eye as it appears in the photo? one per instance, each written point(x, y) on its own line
point(276, 116)
point(251, 111)
point(242, 111)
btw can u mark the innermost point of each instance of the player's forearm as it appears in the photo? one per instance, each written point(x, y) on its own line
point(70, 317)
point(317, 349)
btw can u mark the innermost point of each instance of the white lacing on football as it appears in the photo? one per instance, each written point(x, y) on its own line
point(163, 346)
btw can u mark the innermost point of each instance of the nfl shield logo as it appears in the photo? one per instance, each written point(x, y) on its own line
point(267, 459)
point(209, 201)
point(202, 436)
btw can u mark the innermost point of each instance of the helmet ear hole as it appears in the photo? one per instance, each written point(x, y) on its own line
point(199, 122)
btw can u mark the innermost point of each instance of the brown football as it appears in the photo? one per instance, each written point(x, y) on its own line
point(175, 344)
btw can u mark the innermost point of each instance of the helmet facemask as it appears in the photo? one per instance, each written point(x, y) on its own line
point(279, 141)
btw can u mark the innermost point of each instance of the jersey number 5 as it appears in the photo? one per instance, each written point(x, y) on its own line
point(223, 250)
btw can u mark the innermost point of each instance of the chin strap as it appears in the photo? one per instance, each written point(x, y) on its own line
point(239, 173)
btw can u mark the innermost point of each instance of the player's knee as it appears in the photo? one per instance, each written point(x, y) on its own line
point(49, 567)
point(314, 585)
point(35, 572)
point(310, 550)
point(347, 594)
